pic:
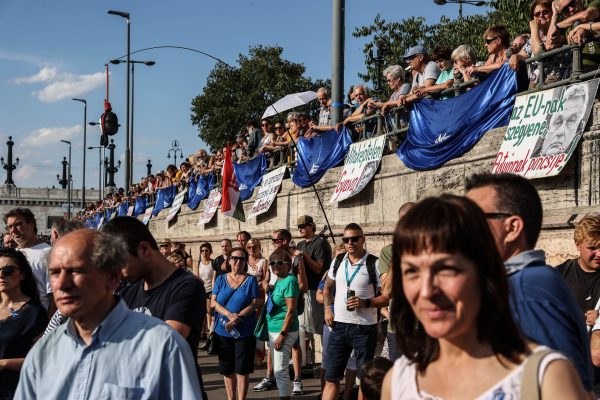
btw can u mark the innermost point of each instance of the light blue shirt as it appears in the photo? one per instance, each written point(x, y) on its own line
point(132, 356)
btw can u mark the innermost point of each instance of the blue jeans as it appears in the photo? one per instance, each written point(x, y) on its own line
point(342, 340)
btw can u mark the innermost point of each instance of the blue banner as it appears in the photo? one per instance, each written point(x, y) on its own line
point(249, 174)
point(141, 203)
point(164, 198)
point(123, 208)
point(107, 213)
point(320, 154)
point(201, 188)
point(89, 222)
point(97, 218)
point(440, 130)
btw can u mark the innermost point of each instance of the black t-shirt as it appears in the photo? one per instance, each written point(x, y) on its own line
point(17, 333)
point(584, 285)
point(217, 263)
point(180, 298)
point(319, 250)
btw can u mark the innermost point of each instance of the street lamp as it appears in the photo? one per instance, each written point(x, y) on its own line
point(460, 3)
point(69, 179)
point(99, 169)
point(128, 155)
point(9, 166)
point(174, 148)
point(149, 168)
point(84, 145)
point(378, 58)
point(132, 62)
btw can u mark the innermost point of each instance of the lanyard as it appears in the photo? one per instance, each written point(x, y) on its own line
point(349, 281)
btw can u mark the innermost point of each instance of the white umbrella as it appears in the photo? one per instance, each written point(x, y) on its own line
point(288, 102)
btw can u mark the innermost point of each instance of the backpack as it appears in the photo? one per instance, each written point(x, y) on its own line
point(300, 303)
point(372, 271)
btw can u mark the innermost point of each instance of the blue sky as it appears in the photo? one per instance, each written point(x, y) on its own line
point(54, 50)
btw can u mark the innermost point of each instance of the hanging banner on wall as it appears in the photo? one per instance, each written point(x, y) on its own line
point(147, 215)
point(130, 210)
point(268, 191)
point(176, 205)
point(544, 130)
point(212, 203)
point(360, 165)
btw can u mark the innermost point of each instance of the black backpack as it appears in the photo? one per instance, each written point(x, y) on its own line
point(371, 269)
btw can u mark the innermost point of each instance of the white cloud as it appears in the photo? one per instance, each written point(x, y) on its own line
point(69, 85)
point(46, 74)
point(48, 136)
point(26, 172)
point(27, 58)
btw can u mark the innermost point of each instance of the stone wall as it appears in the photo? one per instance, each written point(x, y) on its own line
point(566, 198)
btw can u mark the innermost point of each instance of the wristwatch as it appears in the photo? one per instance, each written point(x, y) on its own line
point(283, 333)
point(367, 303)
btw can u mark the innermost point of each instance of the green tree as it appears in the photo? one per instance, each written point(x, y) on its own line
point(232, 96)
point(401, 35)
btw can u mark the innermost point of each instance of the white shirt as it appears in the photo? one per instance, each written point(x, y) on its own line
point(38, 259)
point(361, 286)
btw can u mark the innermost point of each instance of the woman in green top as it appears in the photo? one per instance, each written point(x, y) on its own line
point(282, 318)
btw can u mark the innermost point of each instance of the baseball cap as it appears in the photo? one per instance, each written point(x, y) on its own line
point(305, 220)
point(413, 51)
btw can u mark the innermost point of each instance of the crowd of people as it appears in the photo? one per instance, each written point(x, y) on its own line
point(460, 305)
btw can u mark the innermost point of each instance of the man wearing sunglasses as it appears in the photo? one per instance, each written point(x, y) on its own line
point(582, 28)
point(354, 322)
point(21, 224)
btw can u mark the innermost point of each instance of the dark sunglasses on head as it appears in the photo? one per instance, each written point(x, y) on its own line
point(352, 239)
point(237, 258)
point(278, 263)
point(8, 270)
point(488, 41)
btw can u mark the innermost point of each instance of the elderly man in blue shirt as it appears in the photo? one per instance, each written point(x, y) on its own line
point(104, 350)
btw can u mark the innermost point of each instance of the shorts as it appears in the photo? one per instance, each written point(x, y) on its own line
point(313, 317)
point(236, 355)
point(351, 364)
point(345, 338)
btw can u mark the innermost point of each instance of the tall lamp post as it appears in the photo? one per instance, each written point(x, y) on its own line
point(128, 155)
point(378, 59)
point(149, 168)
point(175, 149)
point(70, 181)
point(111, 164)
point(99, 169)
point(84, 146)
point(9, 166)
point(132, 62)
point(460, 3)
point(64, 181)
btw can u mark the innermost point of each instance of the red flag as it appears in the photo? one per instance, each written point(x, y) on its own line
point(228, 181)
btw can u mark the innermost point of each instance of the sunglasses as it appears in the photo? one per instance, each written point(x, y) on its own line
point(302, 226)
point(352, 239)
point(279, 127)
point(275, 240)
point(497, 215)
point(236, 259)
point(278, 263)
point(8, 270)
point(265, 124)
point(488, 41)
point(543, 12)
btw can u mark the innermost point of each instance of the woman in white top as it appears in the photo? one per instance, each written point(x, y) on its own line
point(452, 316)
point(206, 272)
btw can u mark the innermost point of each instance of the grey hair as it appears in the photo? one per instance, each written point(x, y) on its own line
point(62, 226)
point(292, 116)
point(108, 252)
point(366, 89)
point(465, 53)
point(574, 91)
point(395, 70)
point(323, 90)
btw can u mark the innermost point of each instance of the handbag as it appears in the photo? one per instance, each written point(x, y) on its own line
point(261, 330)
point(212, 341)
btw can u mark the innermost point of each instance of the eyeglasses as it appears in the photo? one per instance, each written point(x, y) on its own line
point(542, 12)
point(278, 127)
point(236, 259)
point(278, 263)
point(352, 239)
point(302, 226)
point(490, 40)
point(8, 270)
point(497, 215)
point(265, 124)
point(275, 240)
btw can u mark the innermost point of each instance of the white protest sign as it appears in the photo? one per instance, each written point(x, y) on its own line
point(176, 205)
point(544, 130)
point(147, 215)
point(267, 192)
point(212, 203)
point(360, 165)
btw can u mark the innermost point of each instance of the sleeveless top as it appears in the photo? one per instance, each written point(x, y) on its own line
point(258, 270)
point(404, 380)
point(206, 272)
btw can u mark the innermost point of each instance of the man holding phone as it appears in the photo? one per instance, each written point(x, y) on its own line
point(355, 277)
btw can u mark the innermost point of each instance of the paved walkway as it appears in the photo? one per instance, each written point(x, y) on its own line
point(215, 388)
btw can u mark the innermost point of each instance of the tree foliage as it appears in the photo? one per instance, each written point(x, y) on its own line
point(233, 96)
point(401, 35)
